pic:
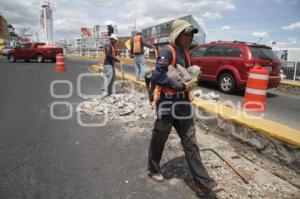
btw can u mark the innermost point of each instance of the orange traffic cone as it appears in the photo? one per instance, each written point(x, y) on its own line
point(60, 63)
point(256, 91)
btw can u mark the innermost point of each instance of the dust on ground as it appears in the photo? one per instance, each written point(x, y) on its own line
point(266, 177)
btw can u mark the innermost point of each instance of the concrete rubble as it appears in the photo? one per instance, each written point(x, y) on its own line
point(115, 106)
point(188, 76)
point(287, 90)
point(208, 96)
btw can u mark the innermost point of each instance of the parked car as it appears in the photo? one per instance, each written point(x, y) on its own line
point(229, 63)
point(6, 49)
point(38, 51)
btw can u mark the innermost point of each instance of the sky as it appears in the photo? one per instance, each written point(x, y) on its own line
point(261, 21)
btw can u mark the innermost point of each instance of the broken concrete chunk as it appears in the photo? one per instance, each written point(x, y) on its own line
point(144, 116)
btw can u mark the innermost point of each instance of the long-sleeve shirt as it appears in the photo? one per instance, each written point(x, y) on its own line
point(144, 43)
point(164, 59)
point(110, 58)
point(159, 77)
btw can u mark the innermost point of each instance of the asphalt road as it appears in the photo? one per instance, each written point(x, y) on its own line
point(42, 157)
point(280, 108)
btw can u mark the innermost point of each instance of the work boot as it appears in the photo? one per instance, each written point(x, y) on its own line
point(158, 177)
point(202, 191)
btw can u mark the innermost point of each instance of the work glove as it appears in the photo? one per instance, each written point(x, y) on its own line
point(191, 84)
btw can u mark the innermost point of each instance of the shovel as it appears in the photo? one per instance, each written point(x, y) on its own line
point(123, 75)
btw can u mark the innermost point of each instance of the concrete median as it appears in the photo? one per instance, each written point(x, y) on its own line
point(268, 127)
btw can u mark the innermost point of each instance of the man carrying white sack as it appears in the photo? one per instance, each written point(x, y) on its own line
point(174, 109)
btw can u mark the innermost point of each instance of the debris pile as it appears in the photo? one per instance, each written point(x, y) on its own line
point(115, 106)
point(286, 89)
point(208, 96)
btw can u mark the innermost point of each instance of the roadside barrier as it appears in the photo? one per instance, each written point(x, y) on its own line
point(60, 63)
point(256, 91)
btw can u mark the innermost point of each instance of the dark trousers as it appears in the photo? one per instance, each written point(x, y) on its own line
point(186, 131)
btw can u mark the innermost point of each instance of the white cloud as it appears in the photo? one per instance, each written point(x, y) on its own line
point(293, 41)
point(212, 16)
point(292, 26)
point(260, 34)
point(221, 29)
point(103, 3)
point(70, 16)
point(225, 27)
point(151, 12)
point(290, 42)
point(110, 22)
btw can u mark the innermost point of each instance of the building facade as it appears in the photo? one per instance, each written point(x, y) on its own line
point(46, 24)
point(3, 28)
point(159, 34)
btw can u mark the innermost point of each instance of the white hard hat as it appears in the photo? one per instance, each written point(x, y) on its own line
point(113, 36)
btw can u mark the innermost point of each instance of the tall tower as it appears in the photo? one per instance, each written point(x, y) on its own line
point(46, 24)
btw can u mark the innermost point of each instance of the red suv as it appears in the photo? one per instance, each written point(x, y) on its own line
point(228, 63)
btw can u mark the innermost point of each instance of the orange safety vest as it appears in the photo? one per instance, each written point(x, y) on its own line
point(137, 44)
point(166, 90)
point(113, 51)
point(172, 91)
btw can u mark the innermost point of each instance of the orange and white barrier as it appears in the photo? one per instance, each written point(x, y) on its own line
point(60, 63)
point(256, 91)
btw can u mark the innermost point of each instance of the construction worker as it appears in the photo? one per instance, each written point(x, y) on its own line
point(174, 110)
point(109, 63)
point(137, 44)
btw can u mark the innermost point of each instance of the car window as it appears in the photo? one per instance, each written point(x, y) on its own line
point(24, 46)
point(198, 52)
point(262, 53)
point(214, 51)
point(232, 52)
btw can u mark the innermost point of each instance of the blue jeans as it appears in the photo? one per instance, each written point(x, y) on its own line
point(140, 66)
point(110, 73)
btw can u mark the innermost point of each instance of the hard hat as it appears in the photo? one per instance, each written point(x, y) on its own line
point(113, 36)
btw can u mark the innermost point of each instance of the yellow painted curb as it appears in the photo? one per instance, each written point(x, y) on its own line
point(267, 127)
point(125, 60)
point(290, 83)
point(98, 68)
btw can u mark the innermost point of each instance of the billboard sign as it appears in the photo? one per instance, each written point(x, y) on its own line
point(86, 32)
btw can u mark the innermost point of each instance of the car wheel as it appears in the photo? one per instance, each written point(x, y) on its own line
point(11, 58)
point(53, 60)
point(227, 83)
point(40, 58)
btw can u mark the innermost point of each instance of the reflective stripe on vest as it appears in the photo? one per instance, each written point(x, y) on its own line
point(113, 51)
point(137, 44)
point(256, 91)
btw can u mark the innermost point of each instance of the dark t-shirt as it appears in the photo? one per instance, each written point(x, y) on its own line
point(109, 56)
